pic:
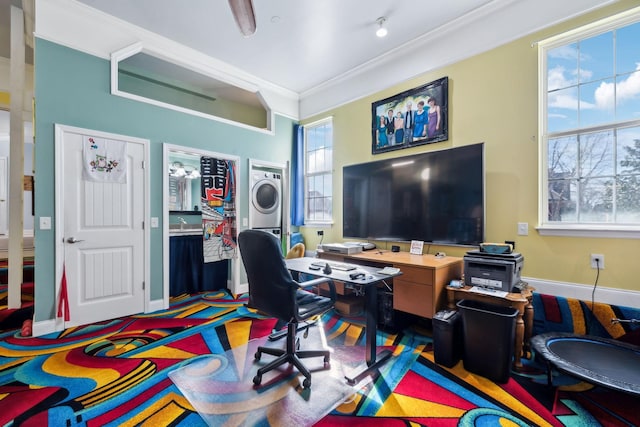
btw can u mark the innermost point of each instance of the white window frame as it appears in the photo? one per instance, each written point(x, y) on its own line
point(545, 227)
point(307, 128)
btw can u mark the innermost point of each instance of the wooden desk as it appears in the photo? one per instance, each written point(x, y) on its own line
point(519, 301)
point(421, 288)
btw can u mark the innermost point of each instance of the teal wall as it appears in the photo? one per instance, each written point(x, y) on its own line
point(73, 88)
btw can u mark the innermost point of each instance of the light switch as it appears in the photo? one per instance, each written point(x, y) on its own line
point(245, 222)
point(154, 222)
point(523, 229)
point(45, 223)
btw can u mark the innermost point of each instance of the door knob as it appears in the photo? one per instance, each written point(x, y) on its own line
point(73, 240)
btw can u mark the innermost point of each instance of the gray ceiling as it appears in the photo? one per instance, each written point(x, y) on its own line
point(301, 44)
point(326, 51)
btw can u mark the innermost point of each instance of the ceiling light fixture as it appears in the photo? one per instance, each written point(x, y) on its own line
point(179, 170)
point(382, 31)
point(244, 15)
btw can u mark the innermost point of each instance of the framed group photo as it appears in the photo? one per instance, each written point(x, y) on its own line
point(414, 117)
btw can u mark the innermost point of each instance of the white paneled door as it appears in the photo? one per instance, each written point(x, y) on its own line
point(103, 236)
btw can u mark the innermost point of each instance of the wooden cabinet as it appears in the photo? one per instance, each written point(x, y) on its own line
point(421, 289)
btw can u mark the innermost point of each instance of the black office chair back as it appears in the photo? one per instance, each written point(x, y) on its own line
point(271, 286)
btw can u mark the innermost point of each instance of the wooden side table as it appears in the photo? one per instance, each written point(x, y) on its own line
point(520, 301)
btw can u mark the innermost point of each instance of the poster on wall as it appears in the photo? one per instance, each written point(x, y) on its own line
point(218, 201)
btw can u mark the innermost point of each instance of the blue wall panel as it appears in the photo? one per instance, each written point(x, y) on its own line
point(73, 88)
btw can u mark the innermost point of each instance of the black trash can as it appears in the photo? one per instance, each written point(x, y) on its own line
point(447, 337)
point(488, 332)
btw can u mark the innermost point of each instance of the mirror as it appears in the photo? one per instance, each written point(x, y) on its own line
point(184, 182)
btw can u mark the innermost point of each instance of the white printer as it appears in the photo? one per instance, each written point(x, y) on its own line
point(342, 248)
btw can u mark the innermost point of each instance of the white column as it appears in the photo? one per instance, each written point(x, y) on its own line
point(16, 157)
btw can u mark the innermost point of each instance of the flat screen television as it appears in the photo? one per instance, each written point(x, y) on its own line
point(436, 197)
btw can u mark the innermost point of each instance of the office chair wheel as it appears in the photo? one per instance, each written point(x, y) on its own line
point(327, 359)
point(306, 383)
point(257, 379)
point(257, 355)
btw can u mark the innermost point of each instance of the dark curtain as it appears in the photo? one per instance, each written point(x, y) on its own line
point(187, 271)
point(297, 174)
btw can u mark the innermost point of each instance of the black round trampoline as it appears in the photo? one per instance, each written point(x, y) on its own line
point(602, 361)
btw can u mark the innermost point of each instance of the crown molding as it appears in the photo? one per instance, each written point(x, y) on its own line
point(460, 39)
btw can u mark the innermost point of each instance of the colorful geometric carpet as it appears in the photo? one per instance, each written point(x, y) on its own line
point(12, 318)
point(27, 269)
point(117, 373)
point(221, 389)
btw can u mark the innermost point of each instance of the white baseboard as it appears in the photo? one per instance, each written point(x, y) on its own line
point(619, 297)
point(45, 327)
point(157, 304)
point(242, 288)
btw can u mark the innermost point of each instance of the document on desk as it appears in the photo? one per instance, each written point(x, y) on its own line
point(389, 271)
point(485, 291)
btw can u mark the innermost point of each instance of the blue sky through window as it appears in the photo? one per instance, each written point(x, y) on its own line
point(595, 80)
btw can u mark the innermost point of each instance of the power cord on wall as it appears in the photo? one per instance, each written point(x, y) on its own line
point(593, 293)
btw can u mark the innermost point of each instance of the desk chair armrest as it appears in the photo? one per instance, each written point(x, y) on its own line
point(319, 281)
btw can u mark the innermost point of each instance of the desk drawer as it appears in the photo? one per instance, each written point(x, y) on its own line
point(412, 298)
point(417, 275)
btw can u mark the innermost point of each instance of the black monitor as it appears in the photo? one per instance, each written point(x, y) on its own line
point(435, 197)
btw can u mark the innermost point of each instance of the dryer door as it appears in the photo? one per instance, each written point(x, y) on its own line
point(266, 196)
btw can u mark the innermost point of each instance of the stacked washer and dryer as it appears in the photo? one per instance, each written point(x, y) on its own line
point(266, 201)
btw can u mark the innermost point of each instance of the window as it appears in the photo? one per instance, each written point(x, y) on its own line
point(590, 129)
point(318, 172)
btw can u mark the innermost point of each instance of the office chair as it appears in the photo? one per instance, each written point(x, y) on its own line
point(274, 292)
point(297, 251)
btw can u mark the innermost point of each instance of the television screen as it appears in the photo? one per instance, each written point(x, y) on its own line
point(435, 197)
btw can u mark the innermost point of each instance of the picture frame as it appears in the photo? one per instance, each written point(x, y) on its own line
point(410, 130)
point(416, 247)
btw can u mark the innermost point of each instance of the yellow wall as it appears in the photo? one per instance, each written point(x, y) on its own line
point(5, 99)
point(493, 99)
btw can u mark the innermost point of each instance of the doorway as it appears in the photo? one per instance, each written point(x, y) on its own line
point(16, 301)
point(269, 202)
point(212, 226)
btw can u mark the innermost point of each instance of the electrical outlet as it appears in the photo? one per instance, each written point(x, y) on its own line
point(320, 233)
point(597, 261)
